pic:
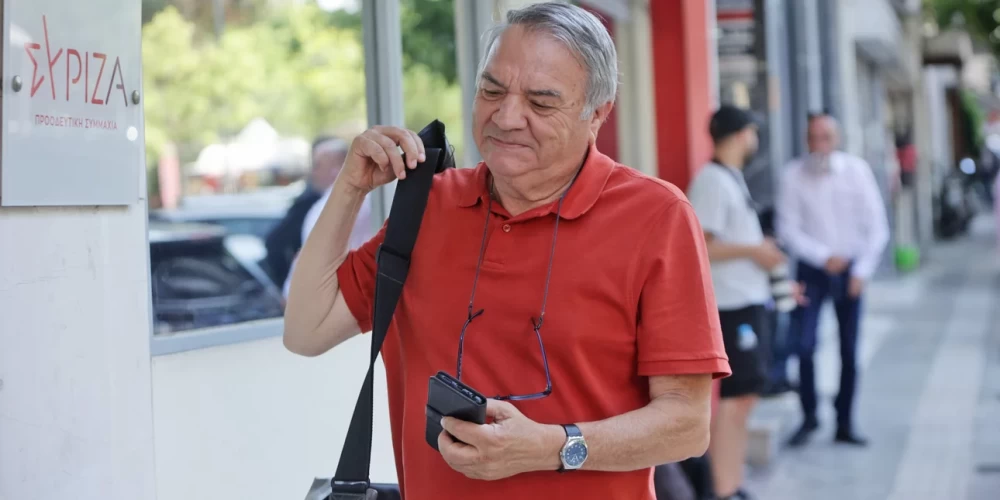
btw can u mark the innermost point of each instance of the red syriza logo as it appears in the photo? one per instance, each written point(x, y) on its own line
point(58, 70)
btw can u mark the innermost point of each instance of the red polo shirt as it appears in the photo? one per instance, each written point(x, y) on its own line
point(630, 297)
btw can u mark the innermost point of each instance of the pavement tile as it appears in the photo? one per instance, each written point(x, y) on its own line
point(929, 392)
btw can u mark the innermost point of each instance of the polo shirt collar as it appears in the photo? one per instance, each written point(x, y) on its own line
point(583, 194)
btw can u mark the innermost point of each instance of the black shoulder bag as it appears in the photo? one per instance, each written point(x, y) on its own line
point(352, 482)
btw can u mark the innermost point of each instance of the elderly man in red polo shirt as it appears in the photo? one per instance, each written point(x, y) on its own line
point(614, 259)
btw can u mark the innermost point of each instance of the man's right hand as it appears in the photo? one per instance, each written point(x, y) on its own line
point(768, 256)
point(374, 158)
point(835, 265)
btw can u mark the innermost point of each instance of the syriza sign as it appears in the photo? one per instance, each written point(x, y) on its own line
point(93, 86)
point(72, 112)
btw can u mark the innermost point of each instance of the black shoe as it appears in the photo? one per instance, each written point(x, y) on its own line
point(801, 436)
point(848, 437)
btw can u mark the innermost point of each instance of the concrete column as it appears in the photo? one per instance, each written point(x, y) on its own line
point(712, 33)
point(924, 188)
point(808, 62)
point(637, 125)
point(384, 80)
point(76, 413)
point(829, 74)
point(847, 77)
point(780, 93)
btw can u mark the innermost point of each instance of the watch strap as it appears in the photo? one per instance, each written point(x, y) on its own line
point(571, 431)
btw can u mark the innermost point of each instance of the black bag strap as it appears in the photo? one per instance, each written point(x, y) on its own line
point(393, 264)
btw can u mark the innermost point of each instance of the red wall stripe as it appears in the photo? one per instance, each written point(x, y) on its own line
point(682, 87)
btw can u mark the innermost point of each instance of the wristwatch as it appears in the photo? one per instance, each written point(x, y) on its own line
point(574, 451)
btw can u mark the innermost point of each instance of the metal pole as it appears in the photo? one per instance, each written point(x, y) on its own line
point(472, 18)
point(219, 17)
point(383, 79)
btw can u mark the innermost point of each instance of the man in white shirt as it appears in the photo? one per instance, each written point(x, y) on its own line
point(364, 228)
point(831, 217)
point(741, 259)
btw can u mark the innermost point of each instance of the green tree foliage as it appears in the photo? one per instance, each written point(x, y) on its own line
point(428, 28)
point(299, 67)
point(202, 13)
point(981, 18)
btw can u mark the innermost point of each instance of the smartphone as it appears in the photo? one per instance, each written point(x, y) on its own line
point(448, 397)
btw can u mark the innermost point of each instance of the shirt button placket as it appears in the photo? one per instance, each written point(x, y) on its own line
point(499, 246)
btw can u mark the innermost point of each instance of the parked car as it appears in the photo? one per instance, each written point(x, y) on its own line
point(255, 219)
point(251, 214)
point(201, 277)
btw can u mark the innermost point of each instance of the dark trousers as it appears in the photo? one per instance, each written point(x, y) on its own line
point(698, 471)
point(803, 333)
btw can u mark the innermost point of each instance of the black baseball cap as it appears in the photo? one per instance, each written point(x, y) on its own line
point(728, 120)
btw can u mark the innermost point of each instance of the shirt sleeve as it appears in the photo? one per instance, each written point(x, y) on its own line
point(287, 286)
point(788, 223)
point(709, 202)
point(678, 331)
point(356, 277)
point(313, 215)
point(876, 220)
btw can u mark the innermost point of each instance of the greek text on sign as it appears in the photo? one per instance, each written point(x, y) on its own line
point(62, 73)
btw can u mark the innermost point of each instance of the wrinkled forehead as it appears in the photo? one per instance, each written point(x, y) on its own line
point(533, 61)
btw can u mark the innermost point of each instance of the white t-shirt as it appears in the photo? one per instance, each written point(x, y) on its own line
point(363, 229)
point(721, 200)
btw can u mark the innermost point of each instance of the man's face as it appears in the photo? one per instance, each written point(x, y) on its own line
point(326, 166)
point(822, 135)
point(528, 105)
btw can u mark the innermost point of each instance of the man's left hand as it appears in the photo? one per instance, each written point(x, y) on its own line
point(799, 294)
point(855, 287)
point(510, 444)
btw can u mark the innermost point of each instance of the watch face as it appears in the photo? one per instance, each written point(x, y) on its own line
point(575, 454)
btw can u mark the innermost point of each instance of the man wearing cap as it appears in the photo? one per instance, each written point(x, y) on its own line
point(741, 258)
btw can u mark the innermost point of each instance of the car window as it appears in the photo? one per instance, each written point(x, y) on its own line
point(200, 284)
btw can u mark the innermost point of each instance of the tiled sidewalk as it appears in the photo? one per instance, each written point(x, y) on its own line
point(929, 397)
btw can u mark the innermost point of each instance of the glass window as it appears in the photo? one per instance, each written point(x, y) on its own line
point(431, 89)
point(200, 278)
point(236, 93)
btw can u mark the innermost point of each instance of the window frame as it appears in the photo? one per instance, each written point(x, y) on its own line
point(382, 42)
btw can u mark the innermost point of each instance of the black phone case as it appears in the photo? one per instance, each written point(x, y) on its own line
point(447, 397)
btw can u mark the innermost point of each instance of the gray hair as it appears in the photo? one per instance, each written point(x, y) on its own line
point(582, 33)
point(330, 145)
